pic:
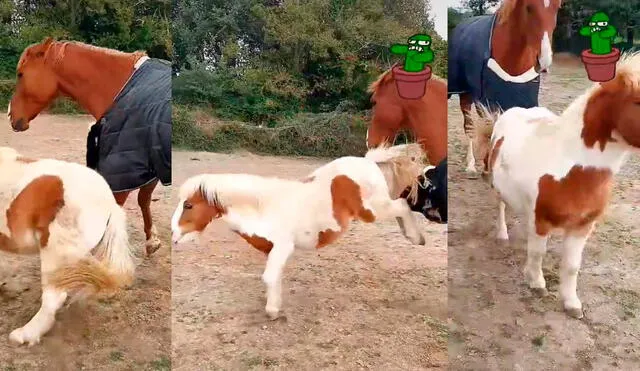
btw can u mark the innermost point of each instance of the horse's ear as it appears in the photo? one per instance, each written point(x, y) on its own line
point(46, 43)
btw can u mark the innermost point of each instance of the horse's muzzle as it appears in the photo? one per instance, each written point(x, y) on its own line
point(20, 125)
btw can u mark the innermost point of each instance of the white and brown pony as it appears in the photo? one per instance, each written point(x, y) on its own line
point(276, 215)
point(495, 60)
point(558, 171)
point(66, 213)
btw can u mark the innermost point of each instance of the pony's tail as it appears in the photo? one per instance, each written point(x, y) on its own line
point(483, 123)
point(401, 166)
point(111, 266)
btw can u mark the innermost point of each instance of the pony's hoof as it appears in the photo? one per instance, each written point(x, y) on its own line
point(576, 313)
point(503, 236)
point(273, 314)
point(21, 336)
point(540, 292)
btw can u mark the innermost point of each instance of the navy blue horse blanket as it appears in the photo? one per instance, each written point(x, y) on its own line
point(469, 55)
point(130, 146)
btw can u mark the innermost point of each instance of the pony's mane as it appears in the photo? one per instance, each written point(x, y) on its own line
point(57, 50)
point(628, 71)
point(508, 6)
point(226, 190)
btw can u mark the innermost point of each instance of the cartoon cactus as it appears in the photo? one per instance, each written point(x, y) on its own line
point(417, 53)
point(601, 33)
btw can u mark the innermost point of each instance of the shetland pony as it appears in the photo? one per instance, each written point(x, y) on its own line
point(495, 60)
point(67, 214)
point(95, 77)
point(277, 215)
point(558, 171)
point(426, 117)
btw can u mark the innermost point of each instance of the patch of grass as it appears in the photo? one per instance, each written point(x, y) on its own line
point(116, 356)
point(255, 360)
point(162, 364)
point(441, 329)
point(539, 340)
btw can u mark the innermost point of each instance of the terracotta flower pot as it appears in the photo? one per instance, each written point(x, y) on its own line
point(600, 68)
point(411, 85)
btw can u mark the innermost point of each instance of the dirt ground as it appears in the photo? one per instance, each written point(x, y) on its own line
point(496, 323)
point(371, 301)
point(128, 332)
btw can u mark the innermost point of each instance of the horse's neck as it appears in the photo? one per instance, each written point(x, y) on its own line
point(93, 78)
point(509, 48)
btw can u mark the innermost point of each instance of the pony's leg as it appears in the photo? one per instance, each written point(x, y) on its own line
point(569, 267)
point(502, 221)
point(466, 100)
point(536, 249)
point(52, 301)
point(272, 277)
point(152, 243)
point(385, 208)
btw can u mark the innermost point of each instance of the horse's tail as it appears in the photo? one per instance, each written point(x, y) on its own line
point(401, 165)
point(110, 267)
point(483, 122)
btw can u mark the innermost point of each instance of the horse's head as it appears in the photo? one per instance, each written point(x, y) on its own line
point(536, 19)
point(36, 87)
point(197, 208)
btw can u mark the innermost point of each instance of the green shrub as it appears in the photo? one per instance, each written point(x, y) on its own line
point(308, 134)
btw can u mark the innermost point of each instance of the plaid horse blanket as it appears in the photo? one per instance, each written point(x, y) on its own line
point(130, 146)
point(470, 71)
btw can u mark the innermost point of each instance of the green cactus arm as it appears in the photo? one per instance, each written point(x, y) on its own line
point(609, 32)
point(585, 31)
point(399, 49)
point(425, 57)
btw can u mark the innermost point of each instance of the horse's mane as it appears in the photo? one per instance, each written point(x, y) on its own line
point(56, 52)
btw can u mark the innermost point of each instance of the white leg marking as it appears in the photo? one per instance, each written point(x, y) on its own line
point(502, 222)
point(153, 243)
point(272, 277)
point(536, 249)
point(546, 52)
point(41, 323)
point(407, 221)
point(569, 268)
point(471, 160)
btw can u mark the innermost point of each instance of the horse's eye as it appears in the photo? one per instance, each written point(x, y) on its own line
point(187, 206)
point(529, 9)
point(19, 75)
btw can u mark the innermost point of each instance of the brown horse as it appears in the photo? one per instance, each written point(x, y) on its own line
point(426, 118)
point(520, 49)
point(89, 75)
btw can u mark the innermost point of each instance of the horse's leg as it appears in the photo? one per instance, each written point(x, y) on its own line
point(536, 249)
point(466, 100)
point(121, 197)
point(52, 300)
point(569, 267)
point(152, 243)
point(272, 276)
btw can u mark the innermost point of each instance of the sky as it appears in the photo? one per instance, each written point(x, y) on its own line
point(439, 14)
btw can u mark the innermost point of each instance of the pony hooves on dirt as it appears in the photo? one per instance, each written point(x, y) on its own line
point(576, 313)
point(22, 336)
point(153, 243)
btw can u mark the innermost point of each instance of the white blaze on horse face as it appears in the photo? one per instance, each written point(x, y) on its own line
point(9, 110)
point(546, 52)
point(176, 231)
point(547, 3)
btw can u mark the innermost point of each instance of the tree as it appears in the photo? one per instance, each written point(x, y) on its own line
point(479, 7)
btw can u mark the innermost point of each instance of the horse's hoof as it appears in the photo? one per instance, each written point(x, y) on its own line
point(152, 245)
point(273, 314)
point(540, 291)
point(576, 313)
